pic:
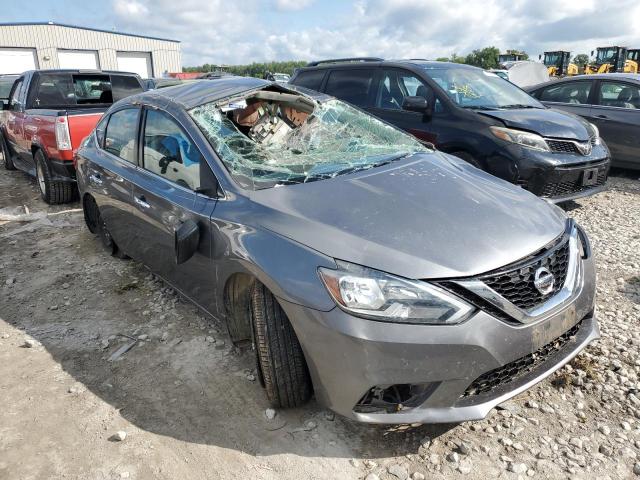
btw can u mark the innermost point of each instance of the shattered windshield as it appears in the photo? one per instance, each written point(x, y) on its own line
point(474, 88)
point(272, 138)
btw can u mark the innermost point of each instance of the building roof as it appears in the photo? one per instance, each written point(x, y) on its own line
point(27, 24)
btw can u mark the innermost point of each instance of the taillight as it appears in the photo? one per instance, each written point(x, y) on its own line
point(63, 139)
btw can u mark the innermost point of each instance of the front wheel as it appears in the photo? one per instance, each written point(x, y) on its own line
point(8, 161)
point(52, 191)
point(280, 357)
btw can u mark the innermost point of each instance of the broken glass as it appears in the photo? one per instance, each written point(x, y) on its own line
point(332, 140)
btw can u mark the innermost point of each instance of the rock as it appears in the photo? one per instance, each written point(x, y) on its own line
point(518, 468)
point(251, 377)
point(625, 426)
point(425, 442)
point(270, 413)
point(143, 337)
point(329, 416)
point(453, 457)
point(605, 450)
point(53, 307)
point(576, 442)
point(310, 425)
point(210, 339)
point(636, 468)
point(354, 463)
point(398, 471)
point(372, 476)
point(119, 436)
point(65, 285)
point(465, 466)
point(434, 459)
point(10, 281)
point(125, 475)
point(165, 337)
point(464, 448)
point(418, 476)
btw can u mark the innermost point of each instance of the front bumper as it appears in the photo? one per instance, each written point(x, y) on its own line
point(557, 177)
point(348, 356)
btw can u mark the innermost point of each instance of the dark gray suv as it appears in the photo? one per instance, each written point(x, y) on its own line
point(397, 283)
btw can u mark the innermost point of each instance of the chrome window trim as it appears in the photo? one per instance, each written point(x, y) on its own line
point(570, 290)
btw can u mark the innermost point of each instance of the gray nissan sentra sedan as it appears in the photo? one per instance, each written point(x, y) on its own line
point(396, 283)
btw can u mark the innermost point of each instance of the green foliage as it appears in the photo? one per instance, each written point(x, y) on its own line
point(525, 55)
point(484, 58)
point(252, 70)
point(581, 59)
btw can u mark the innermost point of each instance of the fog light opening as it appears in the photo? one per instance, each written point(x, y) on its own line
point(394, 398)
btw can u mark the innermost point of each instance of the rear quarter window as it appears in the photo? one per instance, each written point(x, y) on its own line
point(124, 86)
point(353, 85)
point(311, 79)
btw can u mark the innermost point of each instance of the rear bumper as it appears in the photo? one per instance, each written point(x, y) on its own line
point(349, 356)
point(62, 170)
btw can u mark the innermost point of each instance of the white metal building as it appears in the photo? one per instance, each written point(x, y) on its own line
point(29, 46)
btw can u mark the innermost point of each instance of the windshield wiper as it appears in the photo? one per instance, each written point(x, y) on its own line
point(518, 105)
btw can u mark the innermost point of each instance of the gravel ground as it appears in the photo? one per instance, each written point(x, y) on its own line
point(184, 403)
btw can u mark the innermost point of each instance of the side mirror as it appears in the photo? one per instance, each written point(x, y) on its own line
point(186, 240)
point(415, 104)
point(592, 53)
point(539, 57)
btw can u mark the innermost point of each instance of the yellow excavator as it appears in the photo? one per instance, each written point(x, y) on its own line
point(632, 64)
point(608, 60)
point(558, 64)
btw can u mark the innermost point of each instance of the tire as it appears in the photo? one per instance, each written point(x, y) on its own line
point(238, 305)
point(52, 191)
point(96, 225)
point(467, 157)
point(280, 358)
point(8, 161)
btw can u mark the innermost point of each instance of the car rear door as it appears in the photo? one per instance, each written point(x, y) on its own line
point(574, 96)
point(616, 113)
point(164, 198)
point(113, 169)
point(14, 130)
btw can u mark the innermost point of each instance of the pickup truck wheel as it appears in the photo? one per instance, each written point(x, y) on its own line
point(52, 191)
point(8, 162)
point(280, 358)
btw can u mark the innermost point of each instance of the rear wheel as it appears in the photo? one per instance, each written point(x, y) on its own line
point(52, 191)
point(8, 161)
point(96, 225)
point(280, 358)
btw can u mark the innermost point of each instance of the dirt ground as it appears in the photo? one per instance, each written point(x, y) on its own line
point(189, 402)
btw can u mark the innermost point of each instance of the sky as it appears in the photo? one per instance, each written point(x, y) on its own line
point(245, 31)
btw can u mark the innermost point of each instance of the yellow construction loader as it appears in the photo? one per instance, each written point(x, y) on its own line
point(558, 64)
point(608, 60)
point(632, 64)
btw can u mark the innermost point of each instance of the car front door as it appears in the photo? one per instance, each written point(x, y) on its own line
point(165, 198)
point(573, 96)
point(616, 113)
point(392, 86)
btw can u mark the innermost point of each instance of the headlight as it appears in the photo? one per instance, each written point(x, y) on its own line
point(595, 133)
point(526, 139)
point(370, 293)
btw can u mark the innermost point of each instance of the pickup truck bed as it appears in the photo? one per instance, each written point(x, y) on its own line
point(48, 115)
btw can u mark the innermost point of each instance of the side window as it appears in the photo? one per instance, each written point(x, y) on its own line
point(353, 85)
point(100, 129)
point(570, 92)
point(311, 79)
point(395, 85)
point(121, 132)
point(14, 101)
point(169, 152)
point(124, 86)
point(617, 94)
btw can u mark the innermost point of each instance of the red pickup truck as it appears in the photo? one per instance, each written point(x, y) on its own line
point(48, 114)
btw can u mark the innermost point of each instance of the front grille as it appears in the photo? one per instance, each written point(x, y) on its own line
point(520, 367)
point(559, 189)
point(516, 284)
point(559, 146)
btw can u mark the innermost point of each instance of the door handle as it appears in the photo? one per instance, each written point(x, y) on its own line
point(142, 201)
point(602, 116)
point(95, 178)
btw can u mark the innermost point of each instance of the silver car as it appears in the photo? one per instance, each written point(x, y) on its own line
point(396, 283)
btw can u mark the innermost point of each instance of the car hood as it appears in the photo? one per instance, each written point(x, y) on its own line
point(544, 121)
point(428, 216)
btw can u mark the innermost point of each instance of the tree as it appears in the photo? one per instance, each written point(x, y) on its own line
point(485, 58)
point(581, 60)
point(522, 53)
point(253, 70)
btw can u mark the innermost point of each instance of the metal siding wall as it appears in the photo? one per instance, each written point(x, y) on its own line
point(46, 39)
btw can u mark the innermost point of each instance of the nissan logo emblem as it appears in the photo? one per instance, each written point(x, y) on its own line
point(543, 280)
